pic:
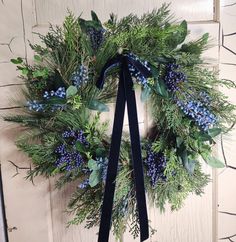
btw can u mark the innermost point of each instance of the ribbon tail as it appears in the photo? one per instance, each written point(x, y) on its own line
point(106, 216)
point(136, 151)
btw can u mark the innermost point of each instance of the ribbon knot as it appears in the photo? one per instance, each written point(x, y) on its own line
point(125, 94)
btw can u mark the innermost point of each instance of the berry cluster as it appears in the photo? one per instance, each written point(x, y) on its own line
point(35, 106)
point(84, 184)
point(42, 107)
point(60, 92)
point(198, 112)
point(72, 136)
point(80, 76)
point(204, 98)
point(70, 159)
point(155, 163)
point(173, 77)
point(103, 164)
point(67, 155)
point(96, 37)
point(135, 73)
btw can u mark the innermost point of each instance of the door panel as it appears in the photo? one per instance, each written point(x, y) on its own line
point(37, 211)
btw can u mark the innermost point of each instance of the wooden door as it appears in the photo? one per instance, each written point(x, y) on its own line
point(35, 212)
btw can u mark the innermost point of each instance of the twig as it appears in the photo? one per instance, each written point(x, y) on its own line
point(18, 168)
point(223, 41)
point(229, 5)
point(230, 64)
point(12, 84)
point(228, 213)
point(234, 33)
point(224, 156)
point(9, 44)
point(228, 237)
point(9, 108)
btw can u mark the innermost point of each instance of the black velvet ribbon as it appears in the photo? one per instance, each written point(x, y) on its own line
point(125, 94)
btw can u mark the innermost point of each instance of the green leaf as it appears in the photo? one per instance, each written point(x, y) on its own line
point(145, 94)
point(40, 73)
point(95, 17)
point(205, 38)
point(79, 146)
point(71, 91)
point(55, 100)
point(162, 60)
point(184, 32)
point(94, 178)
point(204, 137)
point(25, 71)
point(190, 166)
point(18, 60)
point(99, 106)
point(37, 58)
point(93, 165)
point(161, 88)
point(212, 161)
point(179, 141)
point(215, 163)
point(214, 132)
point(100, 152)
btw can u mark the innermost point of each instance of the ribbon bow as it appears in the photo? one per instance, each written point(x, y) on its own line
point(125, 94)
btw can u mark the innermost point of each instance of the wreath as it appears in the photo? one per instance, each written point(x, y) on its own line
point(65, 136)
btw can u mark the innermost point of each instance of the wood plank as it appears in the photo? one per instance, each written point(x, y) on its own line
point(53, 11)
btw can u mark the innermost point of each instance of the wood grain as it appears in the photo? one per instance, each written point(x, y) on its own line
point(54, 10)
point(38, 211)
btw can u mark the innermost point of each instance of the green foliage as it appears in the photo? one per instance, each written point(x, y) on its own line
point(156, 38)
point(71, 91)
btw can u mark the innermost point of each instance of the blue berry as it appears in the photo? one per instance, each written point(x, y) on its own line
point(173, 78)
point(96, 37)
point(35, 106)
point(135, 73)
point(103, 163)
point(155, 163)
point(80, 76)
point(84, 184)
point(204, 98)
point(67, 155)
point(198, 112)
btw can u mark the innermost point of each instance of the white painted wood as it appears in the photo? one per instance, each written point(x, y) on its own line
point(226, 177)
point(54, 10)
point(37, 211)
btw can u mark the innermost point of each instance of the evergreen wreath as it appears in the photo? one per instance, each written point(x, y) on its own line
point(65, 136)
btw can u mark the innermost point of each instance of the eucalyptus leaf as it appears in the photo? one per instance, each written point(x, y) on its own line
point(94, 178)
point(145, 94)
point(99, 106)
point(214, 132)
point(71, 91)
point(215, 163)
point(92, 165)
point(190, 166)
point(204, 137)
point(179, 141)
point(212, 161)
